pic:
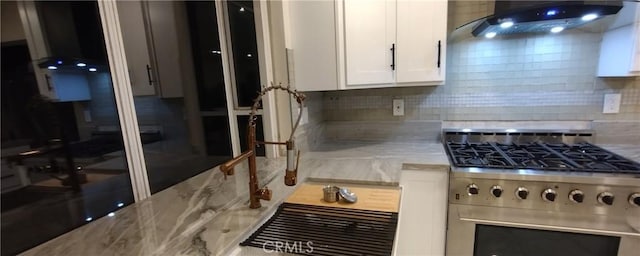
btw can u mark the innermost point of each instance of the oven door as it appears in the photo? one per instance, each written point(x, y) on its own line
point(488, 231)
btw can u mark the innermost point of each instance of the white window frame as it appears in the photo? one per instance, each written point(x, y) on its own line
point(124, 99)
point(269, 121)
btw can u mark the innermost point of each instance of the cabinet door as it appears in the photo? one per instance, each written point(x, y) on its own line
point(165, 40)
point(421, 41)
point(635, 64)
point(423, 221)
point(369, 35)
point(311, 28)
point(136, 47)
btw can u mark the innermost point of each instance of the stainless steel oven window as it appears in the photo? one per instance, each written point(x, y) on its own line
point(498, 240)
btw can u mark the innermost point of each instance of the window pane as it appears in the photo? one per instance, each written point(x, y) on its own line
point(173, 54)
point(245, 51)
point(207, 55)
point(63, 161)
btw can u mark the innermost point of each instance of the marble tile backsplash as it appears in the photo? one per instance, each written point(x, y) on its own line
point(546, 77)
point(311, 134)
point(518, 78)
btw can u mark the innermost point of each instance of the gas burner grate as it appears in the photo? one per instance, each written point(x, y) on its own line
point(331, 231)
point(580, 157)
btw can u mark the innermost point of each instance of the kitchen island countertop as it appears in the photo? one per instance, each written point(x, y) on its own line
point(207, 215)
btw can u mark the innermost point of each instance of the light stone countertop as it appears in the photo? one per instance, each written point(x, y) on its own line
point(206, 215)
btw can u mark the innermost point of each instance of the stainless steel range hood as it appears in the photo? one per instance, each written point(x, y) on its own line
point(66, 46)
point(518, 17)
point(71, 31)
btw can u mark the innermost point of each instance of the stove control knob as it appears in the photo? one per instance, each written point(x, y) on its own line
point(472, 189)
point(634, 199)
point(522, 193)
point(496, 190)
point(549, 195)
point(576, 196)
point(605, 198)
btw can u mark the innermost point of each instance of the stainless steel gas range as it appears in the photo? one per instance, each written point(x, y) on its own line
point(540, 193)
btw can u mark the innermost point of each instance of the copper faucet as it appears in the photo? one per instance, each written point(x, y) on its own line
point(291, 173)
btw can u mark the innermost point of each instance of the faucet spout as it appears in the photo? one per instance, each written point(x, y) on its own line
point(255, 192)
point(228, 167)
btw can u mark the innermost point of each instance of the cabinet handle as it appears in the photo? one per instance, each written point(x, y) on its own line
point(393, 56)
point(48, 79)
point(439, 47)
point(149, 74)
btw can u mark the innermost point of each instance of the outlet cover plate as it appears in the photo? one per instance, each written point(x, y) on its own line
point(611, 103)
point(398, 107)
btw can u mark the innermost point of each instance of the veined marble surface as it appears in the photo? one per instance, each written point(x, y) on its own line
point(207, 215)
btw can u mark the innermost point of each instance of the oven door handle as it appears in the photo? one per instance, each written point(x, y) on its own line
point(549, 227)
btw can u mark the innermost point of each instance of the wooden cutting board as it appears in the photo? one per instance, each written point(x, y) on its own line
point(374, 199)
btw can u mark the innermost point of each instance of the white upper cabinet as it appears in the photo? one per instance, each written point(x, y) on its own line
point(421, 41)
point(620, 48)
point(394, 42)
point(152, 42)
point(353, 44)
point(310, 34)
point(635, 64)
point(370, 35)
point(136, 47)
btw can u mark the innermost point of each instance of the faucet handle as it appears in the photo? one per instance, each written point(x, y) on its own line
point(264, 193)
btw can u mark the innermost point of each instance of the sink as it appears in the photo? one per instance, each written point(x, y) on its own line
point(305, 224)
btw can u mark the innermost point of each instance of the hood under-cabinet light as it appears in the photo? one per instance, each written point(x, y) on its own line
point(490, 35)
point(506, 24)
point(80, 64)
point(52, 67)
point(589, 17)
point(557, 29)
point(540, 16)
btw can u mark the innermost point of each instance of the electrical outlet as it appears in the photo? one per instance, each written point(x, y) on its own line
point(611, 103)
point(398, 107)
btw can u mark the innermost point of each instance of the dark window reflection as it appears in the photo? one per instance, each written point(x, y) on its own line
point(63, 163)
point(194, 136)
point(217, 136)
point(245, 51)
point(207, 54)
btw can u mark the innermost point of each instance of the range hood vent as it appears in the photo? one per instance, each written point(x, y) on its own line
point(73, 34)
point(517, 17)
